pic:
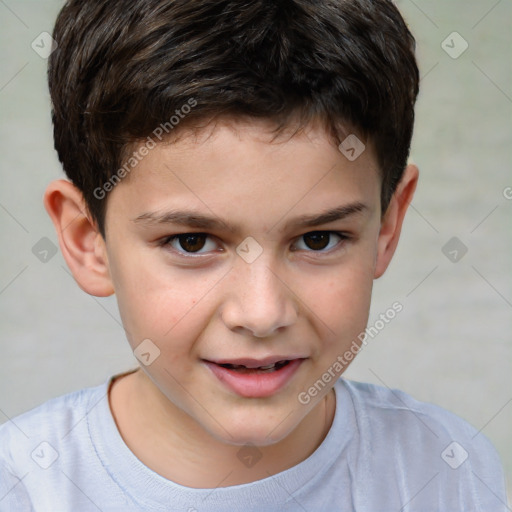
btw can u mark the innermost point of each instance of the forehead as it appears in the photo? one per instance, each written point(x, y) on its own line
point(244, 167)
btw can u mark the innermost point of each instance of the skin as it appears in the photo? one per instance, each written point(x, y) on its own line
point(295, 298)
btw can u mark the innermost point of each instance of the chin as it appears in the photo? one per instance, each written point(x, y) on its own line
point(252, 438)
point(248, 430)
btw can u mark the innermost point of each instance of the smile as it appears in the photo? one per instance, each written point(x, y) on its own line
point(244, 369)
point(253, 380)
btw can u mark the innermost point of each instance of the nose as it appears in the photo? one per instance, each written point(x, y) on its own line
point(259, 300)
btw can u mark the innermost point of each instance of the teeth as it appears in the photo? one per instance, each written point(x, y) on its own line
point(269, 367)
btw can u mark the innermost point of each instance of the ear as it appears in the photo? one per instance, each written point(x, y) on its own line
point(81, 243)
point(391, 223)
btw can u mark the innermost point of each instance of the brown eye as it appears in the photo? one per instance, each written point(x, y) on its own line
point(188, 243)
point(317, 240)
point(192, 242)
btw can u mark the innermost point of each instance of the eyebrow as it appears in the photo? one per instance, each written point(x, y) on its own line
point(195, 219)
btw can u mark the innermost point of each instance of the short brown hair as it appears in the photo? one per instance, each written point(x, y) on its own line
point(124, 67)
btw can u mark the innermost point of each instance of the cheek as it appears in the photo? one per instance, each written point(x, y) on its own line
point(161, 304)
point(348, 303)
point(343, 306)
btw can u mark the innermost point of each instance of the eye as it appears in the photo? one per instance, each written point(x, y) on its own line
point(320, 240)
point(187, 243)
point(190, 244)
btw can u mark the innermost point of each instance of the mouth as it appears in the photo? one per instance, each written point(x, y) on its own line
point(240, 368)
point(252, 378)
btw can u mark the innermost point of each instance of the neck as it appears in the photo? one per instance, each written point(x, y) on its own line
point(171, 443)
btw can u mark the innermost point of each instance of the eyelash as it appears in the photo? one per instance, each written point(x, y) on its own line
point(166, 242)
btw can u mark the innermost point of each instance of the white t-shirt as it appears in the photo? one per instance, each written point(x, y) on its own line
point(385, 452)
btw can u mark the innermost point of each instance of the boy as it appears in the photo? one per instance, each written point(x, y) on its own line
point(238, 179)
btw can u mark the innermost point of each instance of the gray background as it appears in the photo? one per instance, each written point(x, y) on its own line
point(451, 344)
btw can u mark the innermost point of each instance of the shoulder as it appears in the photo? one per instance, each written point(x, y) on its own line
point(418, 443)
point(395, 412)
point(35, 436)
point(392, 405)
point(49, 460)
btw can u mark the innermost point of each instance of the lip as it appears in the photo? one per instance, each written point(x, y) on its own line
point(256, 363)
point(255, 385)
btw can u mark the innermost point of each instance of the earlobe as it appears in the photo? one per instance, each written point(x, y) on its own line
point(81, 243)
point(392, 220)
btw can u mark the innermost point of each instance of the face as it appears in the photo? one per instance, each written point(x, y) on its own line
point(212, 261)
